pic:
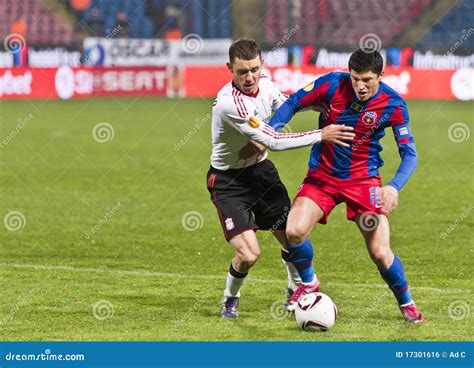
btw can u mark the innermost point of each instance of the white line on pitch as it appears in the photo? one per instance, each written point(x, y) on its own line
point(143, 273)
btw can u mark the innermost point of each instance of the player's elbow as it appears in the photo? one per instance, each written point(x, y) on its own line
point(413, 157)
point(274, 146)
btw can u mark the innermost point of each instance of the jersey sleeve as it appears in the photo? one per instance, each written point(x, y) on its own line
point(313, 93)
point(400, 124)
point(263, 133)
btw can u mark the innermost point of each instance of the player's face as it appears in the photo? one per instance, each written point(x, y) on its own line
point(365, 84)
point(246, 74)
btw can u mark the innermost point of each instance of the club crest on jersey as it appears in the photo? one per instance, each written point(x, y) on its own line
point(229, 224)
point(369, 118)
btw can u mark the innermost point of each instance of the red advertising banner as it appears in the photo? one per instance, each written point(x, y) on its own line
point(66, 82)
point(197, 81)
point(408, 82)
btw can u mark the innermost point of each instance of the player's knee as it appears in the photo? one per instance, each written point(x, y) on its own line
point(296, 234)
point(250, 257)
point(381, 257)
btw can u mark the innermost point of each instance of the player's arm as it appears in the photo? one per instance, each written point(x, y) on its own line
point(308, 97)
point(409, 158)
point(262, 133)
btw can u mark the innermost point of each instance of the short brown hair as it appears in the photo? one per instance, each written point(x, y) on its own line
point(366, 60)
point(245, 49)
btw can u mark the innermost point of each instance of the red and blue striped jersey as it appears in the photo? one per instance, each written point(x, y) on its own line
point(369, 119)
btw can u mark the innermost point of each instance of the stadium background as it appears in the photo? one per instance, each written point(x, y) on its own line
point(108, 232)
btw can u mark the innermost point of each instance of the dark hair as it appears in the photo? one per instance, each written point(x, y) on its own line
point(245, 49)
point(366, 60)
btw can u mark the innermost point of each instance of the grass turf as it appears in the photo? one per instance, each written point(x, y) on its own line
point(103, 226)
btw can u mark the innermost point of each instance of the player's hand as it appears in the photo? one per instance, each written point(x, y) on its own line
point(250, 149)
point(322, 108)
point(336, 134)
point(389, 198)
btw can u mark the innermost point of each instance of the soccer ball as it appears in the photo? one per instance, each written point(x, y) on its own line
point(315, 312)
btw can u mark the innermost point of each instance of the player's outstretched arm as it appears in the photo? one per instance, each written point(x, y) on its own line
point(254, 129)
point(409, 158)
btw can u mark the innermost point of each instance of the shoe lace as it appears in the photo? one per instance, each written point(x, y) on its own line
point(411, 310)
point(297, 294)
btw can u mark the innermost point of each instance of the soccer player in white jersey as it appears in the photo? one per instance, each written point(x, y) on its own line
point(244, 185)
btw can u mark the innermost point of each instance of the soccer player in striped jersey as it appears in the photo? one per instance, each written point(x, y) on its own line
point(244, 185)
point(350, 173)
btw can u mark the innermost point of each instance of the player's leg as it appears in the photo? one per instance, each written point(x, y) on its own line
point(304, 215)
point(294, 279)
point(271, 213)
point(232, 199)
point(247, 253)
point(376, 232)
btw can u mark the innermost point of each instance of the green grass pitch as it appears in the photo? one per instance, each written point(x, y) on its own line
point(99, 247)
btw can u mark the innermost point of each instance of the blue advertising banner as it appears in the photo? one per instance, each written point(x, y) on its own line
point(236, 354)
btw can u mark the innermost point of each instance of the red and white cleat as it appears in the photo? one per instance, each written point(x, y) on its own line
point(301, 290)
point(411, 313)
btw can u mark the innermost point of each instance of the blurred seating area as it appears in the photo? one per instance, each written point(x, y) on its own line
point(339, 23)
point(455, 28)
point(334, 24)
point(38, 24)
point(153, 18)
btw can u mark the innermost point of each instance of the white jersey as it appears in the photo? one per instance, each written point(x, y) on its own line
point(231, 129)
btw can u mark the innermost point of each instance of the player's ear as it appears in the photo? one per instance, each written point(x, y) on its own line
point(229, 66)
point(381, 74)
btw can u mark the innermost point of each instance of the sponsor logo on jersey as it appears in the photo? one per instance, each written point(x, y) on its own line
point(369, 118)
point(356, 107)
point(309, 87)
point(254, 122)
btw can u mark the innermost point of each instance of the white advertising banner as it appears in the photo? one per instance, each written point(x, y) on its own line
point(137, 52)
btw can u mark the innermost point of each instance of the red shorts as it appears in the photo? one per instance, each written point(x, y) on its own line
point(360, 195)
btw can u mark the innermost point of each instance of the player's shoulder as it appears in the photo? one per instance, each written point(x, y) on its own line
point(265, 81)
point(394, 96)
point(332, 77)
point(230, 100)
point(227, 94)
